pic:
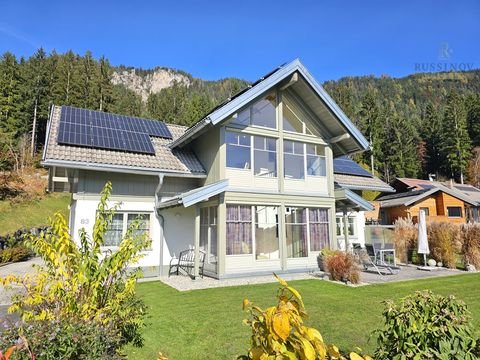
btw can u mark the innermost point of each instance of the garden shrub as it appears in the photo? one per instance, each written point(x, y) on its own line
point(342, 267)
point(278, 332)
point(426, 326)
point(14, 254)
point(81, 282)
point(470, 234)
point(444, 242)
point(66, 338)
point(405, 236)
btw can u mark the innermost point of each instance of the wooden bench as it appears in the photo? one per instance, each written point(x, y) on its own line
point(186, 263)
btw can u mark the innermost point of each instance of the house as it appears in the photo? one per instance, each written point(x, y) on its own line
point(441, 202)
point(251, 183)
point(349, 175)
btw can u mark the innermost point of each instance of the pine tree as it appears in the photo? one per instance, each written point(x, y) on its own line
point(371, 125)
point(456, 144)
point(472, 104)
point(105, 87)
point(431, 132)
point(10, 95)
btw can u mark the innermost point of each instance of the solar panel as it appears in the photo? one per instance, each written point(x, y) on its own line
point(467, 188)
point(426, 186)
point(102, 130)
point(346, 166)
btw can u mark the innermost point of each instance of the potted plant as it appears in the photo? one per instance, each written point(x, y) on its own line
point(322, 258)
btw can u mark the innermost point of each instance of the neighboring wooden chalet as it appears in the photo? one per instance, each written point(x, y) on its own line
point(439, 201)
point(251, 184)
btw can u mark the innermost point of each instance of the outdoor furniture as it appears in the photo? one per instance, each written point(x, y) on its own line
point(186, 263)
point(376, 258)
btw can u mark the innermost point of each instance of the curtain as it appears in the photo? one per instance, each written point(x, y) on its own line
point(319, 235)
point(239, 229)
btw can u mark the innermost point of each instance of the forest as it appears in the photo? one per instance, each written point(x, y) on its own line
point(425, 124)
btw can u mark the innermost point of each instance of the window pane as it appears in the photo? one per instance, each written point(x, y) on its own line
point(351, 226)
point(454, 211)
point(316, 165)
point(318, 227)
point(265, 162)
point(339, 226)
point(288, 147)
point(290, 121)
point(239, 229)
point(238, 156)
point(296, 231)
point(263, 112)
point(294, 168)
point(243, 118)
point(143, 224)
point(113, 235)
point(259, 142)
point(266, 233)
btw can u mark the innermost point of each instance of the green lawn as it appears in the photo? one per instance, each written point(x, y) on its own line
point(207, 324)
point(31, 213)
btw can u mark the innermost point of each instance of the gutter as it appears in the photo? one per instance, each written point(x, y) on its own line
point(114, 168)
point(190, 132)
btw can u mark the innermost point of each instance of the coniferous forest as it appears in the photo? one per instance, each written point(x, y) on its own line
point(420, 125)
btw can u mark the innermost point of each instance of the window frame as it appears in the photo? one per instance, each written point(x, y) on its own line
point(455, 216)
point(339, 221)
point(125, 214)
point(239, 134)
point(425, 209)
point(249, 109)
point(265, 150)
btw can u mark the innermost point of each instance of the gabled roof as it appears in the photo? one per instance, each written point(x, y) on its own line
point(349, 175)
point(411, 197)
point(180, 162)
point(348, 139)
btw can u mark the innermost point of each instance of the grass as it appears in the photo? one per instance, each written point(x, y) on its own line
point(207, 324)
point(31, 213)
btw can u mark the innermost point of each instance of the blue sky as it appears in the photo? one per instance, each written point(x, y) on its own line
point(215, 39)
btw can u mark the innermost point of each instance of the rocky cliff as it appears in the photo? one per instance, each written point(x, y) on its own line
point(150, 81)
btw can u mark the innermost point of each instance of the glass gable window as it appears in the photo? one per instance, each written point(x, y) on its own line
point(296, 231)
point(262, 113)
point(265, 156)
point(266, 233)
point(291, 122)
point(238, 150)
point(239, 229)
point(293, 153)
point(315, 161)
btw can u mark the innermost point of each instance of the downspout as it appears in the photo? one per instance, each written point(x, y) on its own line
point(161, 220)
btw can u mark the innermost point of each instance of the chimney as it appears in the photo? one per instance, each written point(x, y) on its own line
point(450, 184)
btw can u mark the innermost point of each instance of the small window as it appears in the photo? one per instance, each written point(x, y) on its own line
point(238, 150)
point(120, 224)
point(454, 211)
point(315, 161)
point(426, 210)
point(114, 233)
point(265, 156)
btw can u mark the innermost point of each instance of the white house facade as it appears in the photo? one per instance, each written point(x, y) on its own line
point(252, 183)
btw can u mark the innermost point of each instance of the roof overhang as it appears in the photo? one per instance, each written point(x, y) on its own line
point(346, 199)
point(195, 196)
point(345, 137)
point(445, 190)
point(118, 169)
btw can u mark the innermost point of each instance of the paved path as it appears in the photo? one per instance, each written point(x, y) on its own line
point(19, 268)
point(410, 272)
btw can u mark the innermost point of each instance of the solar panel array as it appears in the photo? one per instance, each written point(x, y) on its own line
point(103, 130)
point(467, 188)
point(346, 166)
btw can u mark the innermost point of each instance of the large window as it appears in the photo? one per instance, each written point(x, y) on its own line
point(238, 150)
point(318, 229)
point(265, 156)
point(262, 113)
point(454, 211)
point(121, 222)
point(239, 229)
point(293, 154)
point(294, 119)
point(296, 230)
point(208, 233)
point(315, 160)
point(266, 233)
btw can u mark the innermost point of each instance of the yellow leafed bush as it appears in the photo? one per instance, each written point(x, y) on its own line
point(278, 332)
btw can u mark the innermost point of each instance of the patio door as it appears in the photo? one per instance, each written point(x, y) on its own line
point(208, 237)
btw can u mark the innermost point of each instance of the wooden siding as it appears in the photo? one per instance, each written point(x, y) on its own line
point(207, 148)
point(437, 205)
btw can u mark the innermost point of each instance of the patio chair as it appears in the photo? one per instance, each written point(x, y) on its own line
point(377, 261)
point(186, 263)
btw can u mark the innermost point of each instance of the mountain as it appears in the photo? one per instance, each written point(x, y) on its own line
point(144, 83)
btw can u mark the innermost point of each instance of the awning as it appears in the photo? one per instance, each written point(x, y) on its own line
point(195, 196)
point(346, 199)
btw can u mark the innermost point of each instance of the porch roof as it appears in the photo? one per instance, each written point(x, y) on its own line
point(195, 196)
point(347, 199)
